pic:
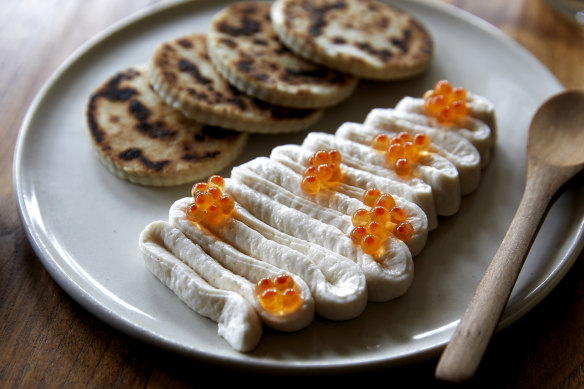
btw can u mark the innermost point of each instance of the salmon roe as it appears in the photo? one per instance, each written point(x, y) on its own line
point(401, 150)
point(278, 295)
point(210, 204)
point(446, 103)
point(371, 227)
point(323, 167)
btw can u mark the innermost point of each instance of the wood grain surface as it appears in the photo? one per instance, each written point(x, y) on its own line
point(48, 340)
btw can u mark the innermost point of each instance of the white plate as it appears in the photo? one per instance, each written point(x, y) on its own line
point(84, 223)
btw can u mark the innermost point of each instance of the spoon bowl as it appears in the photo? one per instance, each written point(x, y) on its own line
point(556, 135)
point(555, 153)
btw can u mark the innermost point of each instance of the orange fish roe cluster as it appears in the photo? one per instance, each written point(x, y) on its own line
point(401, 149)
point(372, 226)
point(323, 167)
point(446, 103)
point(210, 204)
point(278, 295)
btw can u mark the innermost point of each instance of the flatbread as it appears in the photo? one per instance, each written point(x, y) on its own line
point(140, 138)
point(365, 38)
point(181, 72)
point(245, 49)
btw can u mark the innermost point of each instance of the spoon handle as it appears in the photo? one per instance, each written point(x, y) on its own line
point(469, 341)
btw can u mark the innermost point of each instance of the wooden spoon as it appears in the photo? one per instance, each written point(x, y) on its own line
point(555, 153)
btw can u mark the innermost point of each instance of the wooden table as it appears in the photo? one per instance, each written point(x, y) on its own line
point(49, 340)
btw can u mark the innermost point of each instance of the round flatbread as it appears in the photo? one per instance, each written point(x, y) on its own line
point(365, 38)
point(181, 72)
point(245, 49)
point(138, 137)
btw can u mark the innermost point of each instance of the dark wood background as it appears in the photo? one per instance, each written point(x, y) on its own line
point(48, 340)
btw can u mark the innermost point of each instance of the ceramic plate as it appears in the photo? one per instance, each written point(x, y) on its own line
point(84, 223)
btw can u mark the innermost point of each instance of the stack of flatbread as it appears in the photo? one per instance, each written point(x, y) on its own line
point(265, 68)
